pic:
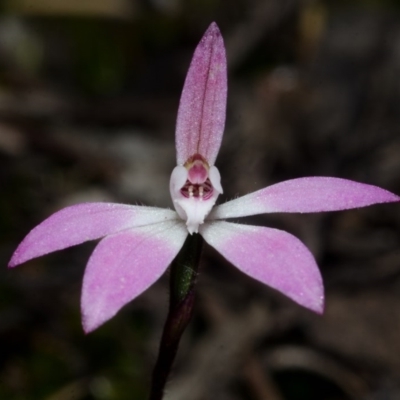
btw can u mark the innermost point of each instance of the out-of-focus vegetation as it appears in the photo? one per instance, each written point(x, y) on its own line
point(88, 99)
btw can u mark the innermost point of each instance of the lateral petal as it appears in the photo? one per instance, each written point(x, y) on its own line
point(271, 256)
point(304, 195)
point(82, 222)
point(124, 265)
point(201, 115)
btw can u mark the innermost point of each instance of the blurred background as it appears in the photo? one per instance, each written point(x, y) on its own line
point(89, 91)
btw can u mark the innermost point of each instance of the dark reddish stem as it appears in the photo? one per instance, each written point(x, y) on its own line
point(183, 276)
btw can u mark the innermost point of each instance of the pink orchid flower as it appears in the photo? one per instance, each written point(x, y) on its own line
point(140, 242)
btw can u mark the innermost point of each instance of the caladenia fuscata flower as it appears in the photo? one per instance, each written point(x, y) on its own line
point(139, 243)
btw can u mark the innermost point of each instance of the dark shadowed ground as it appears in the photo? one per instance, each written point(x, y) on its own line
point(88, 99)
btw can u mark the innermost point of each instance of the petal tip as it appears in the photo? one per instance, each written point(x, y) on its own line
point(212, 37)
point(88, 327)
point(213, 29)
point(393, 198)
point(16, 259)
point(91, 321)
point(319, 308)
point(314, 302)
point(12, 263)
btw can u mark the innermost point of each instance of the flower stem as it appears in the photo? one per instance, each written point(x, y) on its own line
point(183, 274)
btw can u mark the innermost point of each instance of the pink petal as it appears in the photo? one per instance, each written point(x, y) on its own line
point(271, 256)
point(201, 115)
point(82, 222)
point(312, 194)
point(124, 265)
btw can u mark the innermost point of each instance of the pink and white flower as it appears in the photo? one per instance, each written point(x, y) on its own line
point(139, 242)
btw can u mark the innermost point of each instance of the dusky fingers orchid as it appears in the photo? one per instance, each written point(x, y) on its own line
point(139, 243)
